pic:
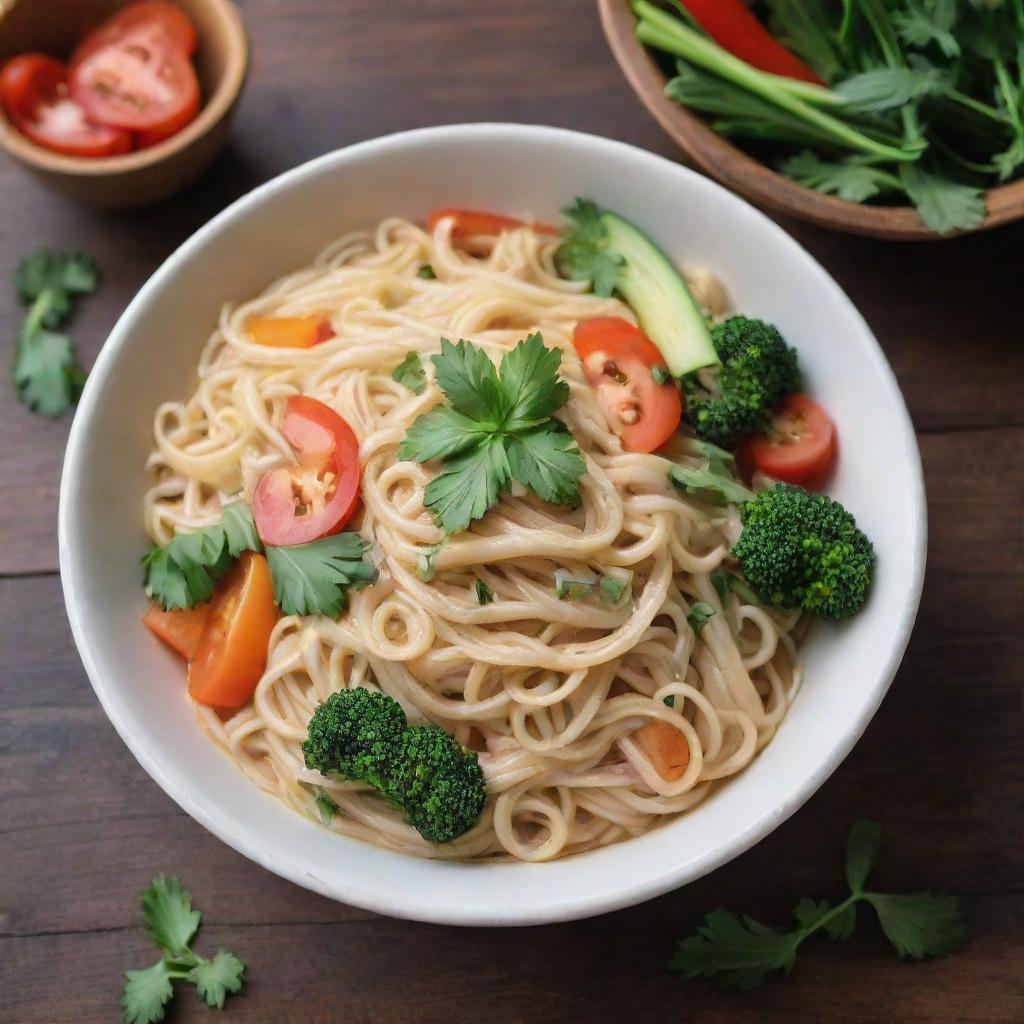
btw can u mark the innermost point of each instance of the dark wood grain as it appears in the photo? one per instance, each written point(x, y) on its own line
point(82, 828)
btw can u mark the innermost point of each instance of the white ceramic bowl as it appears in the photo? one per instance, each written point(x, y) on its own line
point(151, 356)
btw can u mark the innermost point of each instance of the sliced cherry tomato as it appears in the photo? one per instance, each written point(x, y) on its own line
point(619, 362)
point(141, 80)
point(800, 445)
point(289, 331)
point(171, 20)
point(299, 504)
point(666, 748)
point(479, 222)
point(34, 91)
point(231, 654)
point(180, 629)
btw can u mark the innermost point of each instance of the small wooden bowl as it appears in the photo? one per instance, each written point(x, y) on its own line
point(149, 175)
point(740, 172)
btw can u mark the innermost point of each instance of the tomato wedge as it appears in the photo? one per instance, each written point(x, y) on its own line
point(479, 222)
point(299, 504)
point(289, 331)
point(231, 655)
point(800, 445)
point(140, 80)
point(666, 748)
point(180, 628)
point(171, 20)
point(619, 362)
point(34, 91)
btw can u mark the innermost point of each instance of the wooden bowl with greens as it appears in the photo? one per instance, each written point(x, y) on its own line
point(901, 120)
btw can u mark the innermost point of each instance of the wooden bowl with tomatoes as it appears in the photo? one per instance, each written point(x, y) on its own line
point(119, 103)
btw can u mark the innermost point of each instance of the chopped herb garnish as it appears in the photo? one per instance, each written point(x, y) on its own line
point(47, 376)
point(325, 804)
point(484, 594)
point(496, 427)
point(698, 615)
point(736, 951)
point(172, 924)
point(411, 374)
point(570, 587)
point(427, 564)
point(613, 587)
point(660, 374)
point(426, 271)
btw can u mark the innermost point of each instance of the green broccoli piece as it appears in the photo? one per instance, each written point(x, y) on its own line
point(439, 783)
point(800, 549)
point(356, 733)
point(364, 736)
point(758, 370)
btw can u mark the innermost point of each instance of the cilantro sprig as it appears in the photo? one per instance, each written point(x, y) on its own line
point(736, 951)
point(182, 573)
point(47, 376)
point(309, 579)
point(498, 426)
point(172, 924)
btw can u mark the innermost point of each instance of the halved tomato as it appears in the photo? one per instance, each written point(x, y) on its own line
point(299, 504)
point(180, 628)
point(289, 331)
point(480, 222)
point(231, 655)
point(140, 80)
point(35, 95)
point(800, 445)
point(619, 362)
point(171, 20)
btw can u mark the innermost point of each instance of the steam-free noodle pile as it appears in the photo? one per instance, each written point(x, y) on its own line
point(547, 690)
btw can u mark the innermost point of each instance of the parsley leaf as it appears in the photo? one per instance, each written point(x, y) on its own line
point(47, 376)
point(146, 993)
point(426, 271)
point(891, 87)
point(168, 915)
point(710, 485)
point(171, 923)
point(410, 373)
point(737, 951)
point(497, 427)
point(312, 579)
point(854, 182)
point(582, 256)
point(215, 978)
point(182, 573)
point(484, 594)
point(698, 615)
point(930, 21)
point(942, 204)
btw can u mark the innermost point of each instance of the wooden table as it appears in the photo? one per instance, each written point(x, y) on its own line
point(83, 829)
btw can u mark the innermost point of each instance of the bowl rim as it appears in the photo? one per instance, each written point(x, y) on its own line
point(423, 908)
point(226, 93)
point(727, 163)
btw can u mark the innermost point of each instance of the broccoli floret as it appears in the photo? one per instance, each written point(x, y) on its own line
point(800, 549)
point(364, 736)
point(758, 370)
point(439, 783)
point(355, 733)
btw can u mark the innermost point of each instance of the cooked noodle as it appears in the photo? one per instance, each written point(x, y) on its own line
point(547, 690)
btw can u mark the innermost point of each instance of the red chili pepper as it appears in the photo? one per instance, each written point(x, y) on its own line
point(732, 26)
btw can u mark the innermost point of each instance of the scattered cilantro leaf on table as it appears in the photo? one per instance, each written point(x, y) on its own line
point(46, 373)
point(172, 924)
point(737, 951)
point(497, 427)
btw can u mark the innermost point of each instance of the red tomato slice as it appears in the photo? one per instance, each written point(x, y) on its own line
point(800, 445)
point(141, 81)
point(618, 362)
point(299, 504)
point(171, 20)
point(34, 91)
point(479, 222)
point(232, 651)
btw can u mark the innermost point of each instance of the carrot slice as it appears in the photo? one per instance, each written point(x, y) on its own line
point(480, 222)
point(666, 748)
point(289, 331)
point(180, 629)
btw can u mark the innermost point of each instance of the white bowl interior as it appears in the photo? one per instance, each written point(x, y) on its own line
point(151, 357)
